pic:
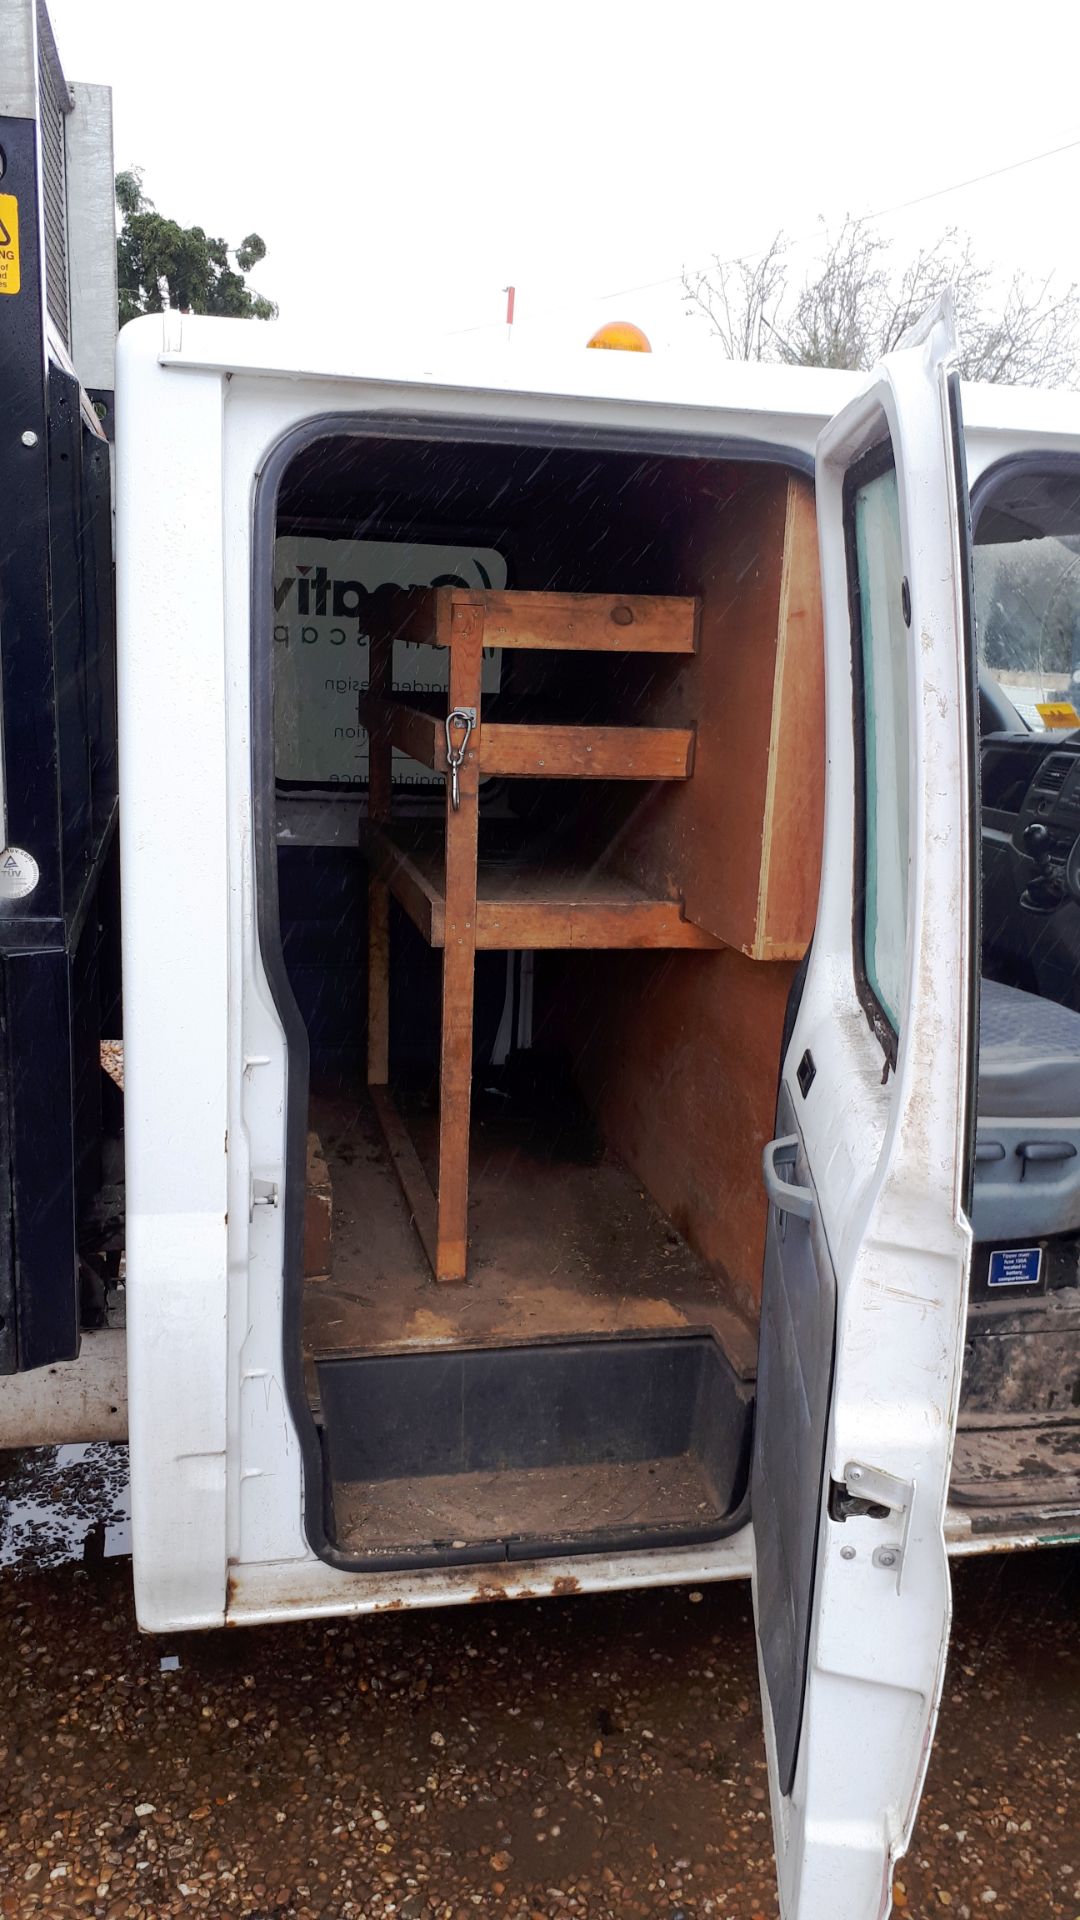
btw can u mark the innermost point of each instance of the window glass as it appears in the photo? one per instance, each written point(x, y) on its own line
point(1027, 592)
point(884, 643)
point(321, 591)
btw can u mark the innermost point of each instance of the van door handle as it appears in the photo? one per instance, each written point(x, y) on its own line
point(786, 1195)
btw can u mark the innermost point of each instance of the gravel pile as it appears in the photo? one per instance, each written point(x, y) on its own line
point(599, 1758)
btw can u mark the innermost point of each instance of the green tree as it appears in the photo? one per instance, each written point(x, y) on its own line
point(162, 264)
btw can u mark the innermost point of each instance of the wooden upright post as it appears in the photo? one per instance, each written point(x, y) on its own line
point(380, 754)
point(459, 956)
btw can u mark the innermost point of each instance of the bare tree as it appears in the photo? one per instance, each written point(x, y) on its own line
point(1032, 342)
point(741, 300)
point(857, 299)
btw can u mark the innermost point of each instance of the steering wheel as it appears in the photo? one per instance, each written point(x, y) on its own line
point(1072, 871)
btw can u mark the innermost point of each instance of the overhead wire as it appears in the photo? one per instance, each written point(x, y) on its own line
point(753, 253)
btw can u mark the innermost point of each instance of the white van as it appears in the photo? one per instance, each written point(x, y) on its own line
point(518, 1203)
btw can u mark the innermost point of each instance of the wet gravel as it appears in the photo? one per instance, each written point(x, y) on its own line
point(592, 1757)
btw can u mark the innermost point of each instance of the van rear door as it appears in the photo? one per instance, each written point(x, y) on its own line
point(868, 1245)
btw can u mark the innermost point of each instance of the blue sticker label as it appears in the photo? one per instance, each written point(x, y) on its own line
point(1015, 1267)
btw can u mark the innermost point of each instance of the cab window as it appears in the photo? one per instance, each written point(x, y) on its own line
point(1027, 589)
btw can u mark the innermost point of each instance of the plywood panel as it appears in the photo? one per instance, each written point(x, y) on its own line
point(678, 1056)
point(740, 841)
point(795, 795)
point(703, 840)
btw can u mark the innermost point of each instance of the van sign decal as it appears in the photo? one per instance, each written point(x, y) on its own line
point(322, 599)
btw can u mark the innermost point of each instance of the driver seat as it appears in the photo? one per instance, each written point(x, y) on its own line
point(1027, 1151)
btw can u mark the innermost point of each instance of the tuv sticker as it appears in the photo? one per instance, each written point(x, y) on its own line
point(9, 243)
point(18, 873)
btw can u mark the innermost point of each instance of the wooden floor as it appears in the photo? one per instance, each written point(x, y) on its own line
point(558, 1248)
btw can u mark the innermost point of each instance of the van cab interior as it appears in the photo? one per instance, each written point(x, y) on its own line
point(1020, 1427)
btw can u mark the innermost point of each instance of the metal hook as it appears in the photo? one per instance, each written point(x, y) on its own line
point(461, 717)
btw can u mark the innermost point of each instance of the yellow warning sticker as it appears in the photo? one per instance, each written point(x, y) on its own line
point(9, 243)
point(1057, 713)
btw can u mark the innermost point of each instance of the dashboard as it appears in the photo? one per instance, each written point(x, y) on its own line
point(1031, 862)
point(1041, 786)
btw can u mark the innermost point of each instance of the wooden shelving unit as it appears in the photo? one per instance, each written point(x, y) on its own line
point(523, 906)
point(463, 904)
point(540, 753)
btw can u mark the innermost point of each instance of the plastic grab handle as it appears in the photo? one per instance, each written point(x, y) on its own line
point(785, 1194)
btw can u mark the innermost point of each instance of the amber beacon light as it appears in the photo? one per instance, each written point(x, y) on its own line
point(623, 335)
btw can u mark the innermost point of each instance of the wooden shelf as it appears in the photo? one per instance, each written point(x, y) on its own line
point(563, 622)
point(523, 905)
point(538, 751)
point(464, 903)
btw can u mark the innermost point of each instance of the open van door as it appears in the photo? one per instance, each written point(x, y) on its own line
point(867, 1249)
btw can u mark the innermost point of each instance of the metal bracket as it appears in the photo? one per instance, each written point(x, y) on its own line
point(881, 1489)
point(264, 1193)
point(884, 1490)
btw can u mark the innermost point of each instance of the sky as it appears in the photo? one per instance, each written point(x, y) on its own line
point(406, 161)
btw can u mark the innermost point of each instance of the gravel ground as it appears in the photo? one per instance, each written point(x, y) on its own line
point(590, 1757)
